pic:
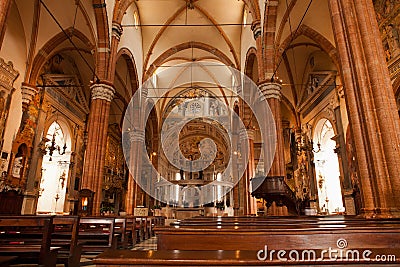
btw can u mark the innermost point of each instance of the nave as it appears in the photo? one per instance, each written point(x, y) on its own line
point(240, 121)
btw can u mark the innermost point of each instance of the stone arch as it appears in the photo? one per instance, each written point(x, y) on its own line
point(251, 59)
point(103, 38)
point(309, 32)
point(48, 50)
point(183, 46)
point(130, 61)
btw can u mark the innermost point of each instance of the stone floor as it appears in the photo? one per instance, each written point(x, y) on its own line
point(148, 244)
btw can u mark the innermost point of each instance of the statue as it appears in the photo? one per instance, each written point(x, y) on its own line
point(393, 39)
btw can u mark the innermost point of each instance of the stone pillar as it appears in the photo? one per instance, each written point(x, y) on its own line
point(251, 173)
point(272, 92)
point(137, 139)
point(250, 203)
point(93, 168)
point(371, 105)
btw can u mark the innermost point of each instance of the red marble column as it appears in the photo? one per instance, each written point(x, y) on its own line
point(93, 168)
point(272, 92)
point(371, 105)
point(252, 203)
point(137, 139)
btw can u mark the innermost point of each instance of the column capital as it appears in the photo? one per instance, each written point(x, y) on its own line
point(256, 28)
point(102, 91)
point(28, 93)
point(250, 133)
point(117, 30)
point(137, 135)
point(271, 90)
point(243, 134)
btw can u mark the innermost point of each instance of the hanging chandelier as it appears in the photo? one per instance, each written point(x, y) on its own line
point(53, 146)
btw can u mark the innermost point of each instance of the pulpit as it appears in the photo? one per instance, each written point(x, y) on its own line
point(274, 189)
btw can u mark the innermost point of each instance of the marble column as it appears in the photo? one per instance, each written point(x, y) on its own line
point(137, 139)
point(272, 92)
point(373, 117)
point(250, 170)
point(93, 168)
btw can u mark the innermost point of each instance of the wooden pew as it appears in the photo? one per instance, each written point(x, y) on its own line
point(5, 261)
point(136, 226)
point(279, 221)
point(120, 228)
point(231, 258)
point(246, 234)
point(97, 234)
point(236, 242)
point(65, 236)
point(28, 238)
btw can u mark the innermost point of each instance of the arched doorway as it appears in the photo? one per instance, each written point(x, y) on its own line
point(327, 169)
point(55, 169)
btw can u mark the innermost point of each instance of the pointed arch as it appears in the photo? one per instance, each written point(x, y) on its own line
point(309, 32)
point(49, 48)
point(183, 46)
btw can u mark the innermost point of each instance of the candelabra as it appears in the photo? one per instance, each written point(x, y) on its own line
point(304, 142)
point(44, 147)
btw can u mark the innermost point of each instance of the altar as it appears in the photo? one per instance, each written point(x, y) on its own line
point(183, 213)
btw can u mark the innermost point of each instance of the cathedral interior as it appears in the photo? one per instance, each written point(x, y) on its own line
point(200, 107)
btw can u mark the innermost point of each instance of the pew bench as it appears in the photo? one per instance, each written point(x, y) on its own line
point(29, 239)
point(65, 236)
point(247, 237)
point(120, 228)
point(136, 228)
point(97, 234)
point(5, 261)
point(233, 258)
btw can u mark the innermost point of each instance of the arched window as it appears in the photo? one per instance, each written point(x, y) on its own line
point(55, 169)
point(327, 169)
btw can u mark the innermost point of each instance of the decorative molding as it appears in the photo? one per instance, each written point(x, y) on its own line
point(8, 75)
point(271, 90)
point(28, 93)
point(340, 91)
point(272, 3)
point(334, 101)
point(243, 134)
point(137, 136)
point(102, 91)
point(73, 97)
point(250, 134)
